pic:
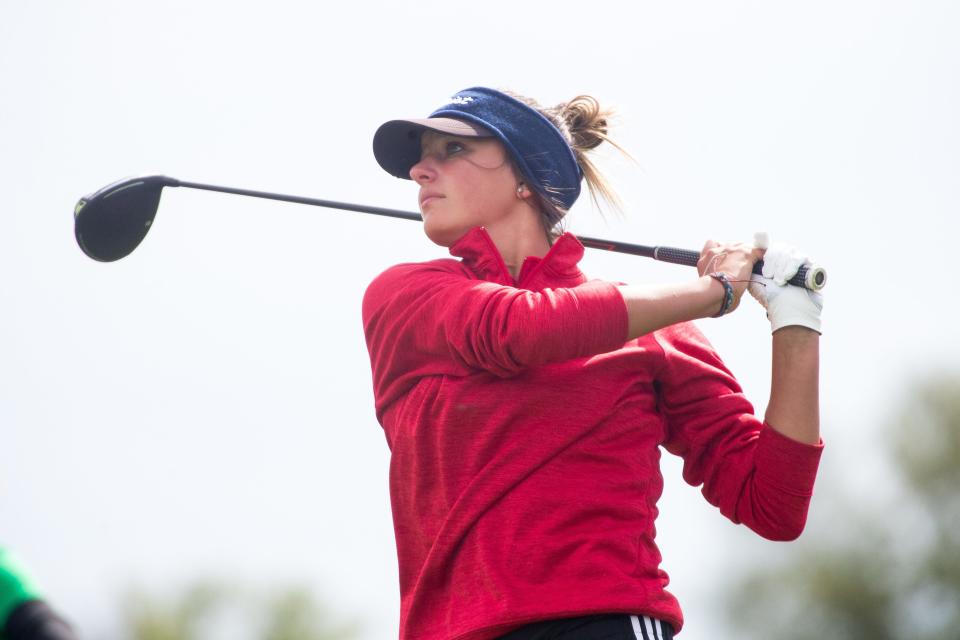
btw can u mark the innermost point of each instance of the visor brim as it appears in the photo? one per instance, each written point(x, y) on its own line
point(396, 144)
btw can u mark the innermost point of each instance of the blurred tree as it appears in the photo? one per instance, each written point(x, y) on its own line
point(211, 609)
point(293, 615)
point(148, 619)
point(898, 576)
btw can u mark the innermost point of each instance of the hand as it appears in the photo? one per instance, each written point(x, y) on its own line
point(786, 305)
point(736, 260)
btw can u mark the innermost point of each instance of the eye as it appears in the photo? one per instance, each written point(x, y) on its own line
point(453, 147)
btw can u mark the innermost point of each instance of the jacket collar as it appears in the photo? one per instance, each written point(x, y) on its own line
point(556, 269)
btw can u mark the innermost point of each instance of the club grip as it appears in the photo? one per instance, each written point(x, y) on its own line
point(811, 277)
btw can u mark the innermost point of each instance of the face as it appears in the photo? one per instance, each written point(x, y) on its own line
point(464, 183)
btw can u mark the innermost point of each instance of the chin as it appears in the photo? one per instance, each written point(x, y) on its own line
point(442, 235)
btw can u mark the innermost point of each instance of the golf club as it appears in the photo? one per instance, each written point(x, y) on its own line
point(110, 223)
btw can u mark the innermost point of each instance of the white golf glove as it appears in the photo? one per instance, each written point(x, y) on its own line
point(786, 304)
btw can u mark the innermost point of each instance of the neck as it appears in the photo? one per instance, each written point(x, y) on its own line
point(519, 237)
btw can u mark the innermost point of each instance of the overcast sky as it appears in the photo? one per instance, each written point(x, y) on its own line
point(203, 407)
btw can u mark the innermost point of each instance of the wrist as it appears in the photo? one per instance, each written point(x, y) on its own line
point(709, 294)
point(796, 336)
point(727, 302)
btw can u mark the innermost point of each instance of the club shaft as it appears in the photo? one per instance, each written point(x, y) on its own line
point(330, 204)
point(813, 277)
point(810, 277)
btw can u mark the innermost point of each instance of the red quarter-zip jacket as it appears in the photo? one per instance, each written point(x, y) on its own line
point(525, 442)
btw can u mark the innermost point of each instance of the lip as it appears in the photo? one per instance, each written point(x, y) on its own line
point(428, 196)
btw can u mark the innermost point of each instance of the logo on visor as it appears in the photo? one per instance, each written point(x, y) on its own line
point(461, 100)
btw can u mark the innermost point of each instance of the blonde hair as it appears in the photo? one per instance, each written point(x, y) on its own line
point(584, 125)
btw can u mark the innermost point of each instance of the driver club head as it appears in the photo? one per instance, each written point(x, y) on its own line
point(112, 222)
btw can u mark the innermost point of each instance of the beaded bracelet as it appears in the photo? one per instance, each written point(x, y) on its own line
point(721, 277)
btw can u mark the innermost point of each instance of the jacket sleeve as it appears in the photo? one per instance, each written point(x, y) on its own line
point(751, 472)
point(433, 318)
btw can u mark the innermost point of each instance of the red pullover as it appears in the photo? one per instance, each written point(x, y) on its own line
point(525, 439)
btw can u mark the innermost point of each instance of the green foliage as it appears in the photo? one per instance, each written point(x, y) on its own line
point(197, 612)
point(294, 616)
point(898, 576)
point(151, 620)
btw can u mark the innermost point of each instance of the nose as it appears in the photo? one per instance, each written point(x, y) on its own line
point(424, 170)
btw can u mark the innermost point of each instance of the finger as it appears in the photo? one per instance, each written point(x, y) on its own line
point(744, 247)
point(708, 256)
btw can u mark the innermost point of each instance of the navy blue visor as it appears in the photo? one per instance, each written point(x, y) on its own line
point(539, 149)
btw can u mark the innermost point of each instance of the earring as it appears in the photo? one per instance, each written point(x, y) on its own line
point(521, 190)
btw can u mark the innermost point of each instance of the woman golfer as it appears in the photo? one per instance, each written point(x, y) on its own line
point(525, 405)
